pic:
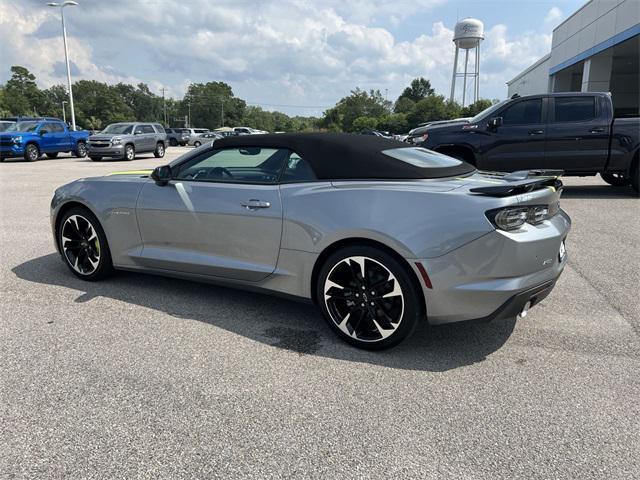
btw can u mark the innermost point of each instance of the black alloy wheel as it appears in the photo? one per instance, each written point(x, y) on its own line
point(368, 297)
point(84, 245)
point(616, 179)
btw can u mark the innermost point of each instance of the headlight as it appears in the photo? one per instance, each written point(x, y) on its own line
point(17, 139)
point(116, 141)
point(512, 218)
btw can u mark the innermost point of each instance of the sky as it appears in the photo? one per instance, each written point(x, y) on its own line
point(295, 56)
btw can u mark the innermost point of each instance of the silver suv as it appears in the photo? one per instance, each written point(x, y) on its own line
point(126, 140)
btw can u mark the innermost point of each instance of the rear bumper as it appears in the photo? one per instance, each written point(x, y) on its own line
point(495, 275)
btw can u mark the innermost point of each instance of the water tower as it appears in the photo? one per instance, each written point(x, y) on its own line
point(468, 34)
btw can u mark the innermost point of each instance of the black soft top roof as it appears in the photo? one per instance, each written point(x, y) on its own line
point(346, 156)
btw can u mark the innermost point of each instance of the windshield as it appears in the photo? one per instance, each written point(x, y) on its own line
point(5, 126)
point(487, 112)
point(26, 126)
point(118, 128)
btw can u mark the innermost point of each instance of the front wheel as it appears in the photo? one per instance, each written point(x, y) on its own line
point(615, 179)
point(196, 144)
point(84, 245)
point(81, 150)
point(129, 152)
point(31, 153)
point(368, 297)
point(159, 151)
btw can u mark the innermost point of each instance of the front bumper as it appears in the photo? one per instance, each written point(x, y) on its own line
point(11, 151)
point(106, 151)
point(495, 275)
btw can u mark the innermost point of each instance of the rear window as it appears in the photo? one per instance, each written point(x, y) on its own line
point(423, 158)
point(574, 109)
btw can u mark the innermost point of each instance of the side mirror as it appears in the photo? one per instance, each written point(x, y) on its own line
point(138, 132)
point(43, 131)
point(494, 123)
point(161, 175)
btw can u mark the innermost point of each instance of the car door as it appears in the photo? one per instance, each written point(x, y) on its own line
point(49, 137)
point(63, 138)
point(518, 143)
point(149, 138)
point(220, 215)
point(578, 134)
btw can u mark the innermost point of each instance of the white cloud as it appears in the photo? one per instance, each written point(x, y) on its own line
point(553, 16)
point(292, 52)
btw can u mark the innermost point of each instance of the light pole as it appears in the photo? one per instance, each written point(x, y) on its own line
point(66, 53)
point(64, 113)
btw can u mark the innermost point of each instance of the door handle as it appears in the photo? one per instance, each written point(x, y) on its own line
point(253, 204)
point(596, 130)
point(536, 132)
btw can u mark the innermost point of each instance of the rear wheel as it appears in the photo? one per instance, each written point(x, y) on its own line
point(84, 245)
point(368, 297)
point(615, 179)
point(31, 152)
point(52, 155)
point(196, 144)
point(129, 152)
point(159, 151)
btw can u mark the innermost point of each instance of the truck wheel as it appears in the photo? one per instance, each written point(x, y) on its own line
point(95, 159)
point(81, 150)
point(31, 152)
point(129, 152)
point(159, 151)
point(52, 155)
point(615, 179)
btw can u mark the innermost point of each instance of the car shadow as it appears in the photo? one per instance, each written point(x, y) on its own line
point(293, 326)
point(597, 191)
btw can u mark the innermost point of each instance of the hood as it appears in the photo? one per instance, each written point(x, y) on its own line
point(424, 128)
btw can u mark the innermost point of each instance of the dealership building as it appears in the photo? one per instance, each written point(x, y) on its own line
point(597, 49)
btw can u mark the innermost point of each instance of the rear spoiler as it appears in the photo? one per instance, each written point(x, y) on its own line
point(523, 181)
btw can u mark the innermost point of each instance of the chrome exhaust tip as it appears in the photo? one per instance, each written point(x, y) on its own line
point(525, 309)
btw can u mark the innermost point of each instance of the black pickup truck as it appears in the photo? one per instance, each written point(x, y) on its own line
point(575, 132)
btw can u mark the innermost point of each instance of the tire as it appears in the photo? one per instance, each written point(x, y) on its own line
point(81, 150)
point(84, 245)
point(129, 152)
point(52, 155)
point(31, 152)
point(159, 151)
point(173, 142)
point(196, 144)
point(95, 159)
point(616, 179)
point(635, 175)
point(373, 312)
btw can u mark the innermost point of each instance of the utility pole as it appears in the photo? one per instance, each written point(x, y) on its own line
point(68, 3)
point(164, 107)
point(64, 113)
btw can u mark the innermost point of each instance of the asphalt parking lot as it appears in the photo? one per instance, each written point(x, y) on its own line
point(141, 377)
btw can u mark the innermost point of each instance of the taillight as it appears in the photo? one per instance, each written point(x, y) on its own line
point(512, 218)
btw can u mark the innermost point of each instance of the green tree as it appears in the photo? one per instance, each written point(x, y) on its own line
point(429, 109)
point(22, 95)
point(364, 123)
point(359, 103)
point(475, 108)
point(213, 105)
point(418, 89)
point(404, 105)
point(394, 123)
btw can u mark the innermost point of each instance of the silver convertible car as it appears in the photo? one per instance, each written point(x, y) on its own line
point(380, 235)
